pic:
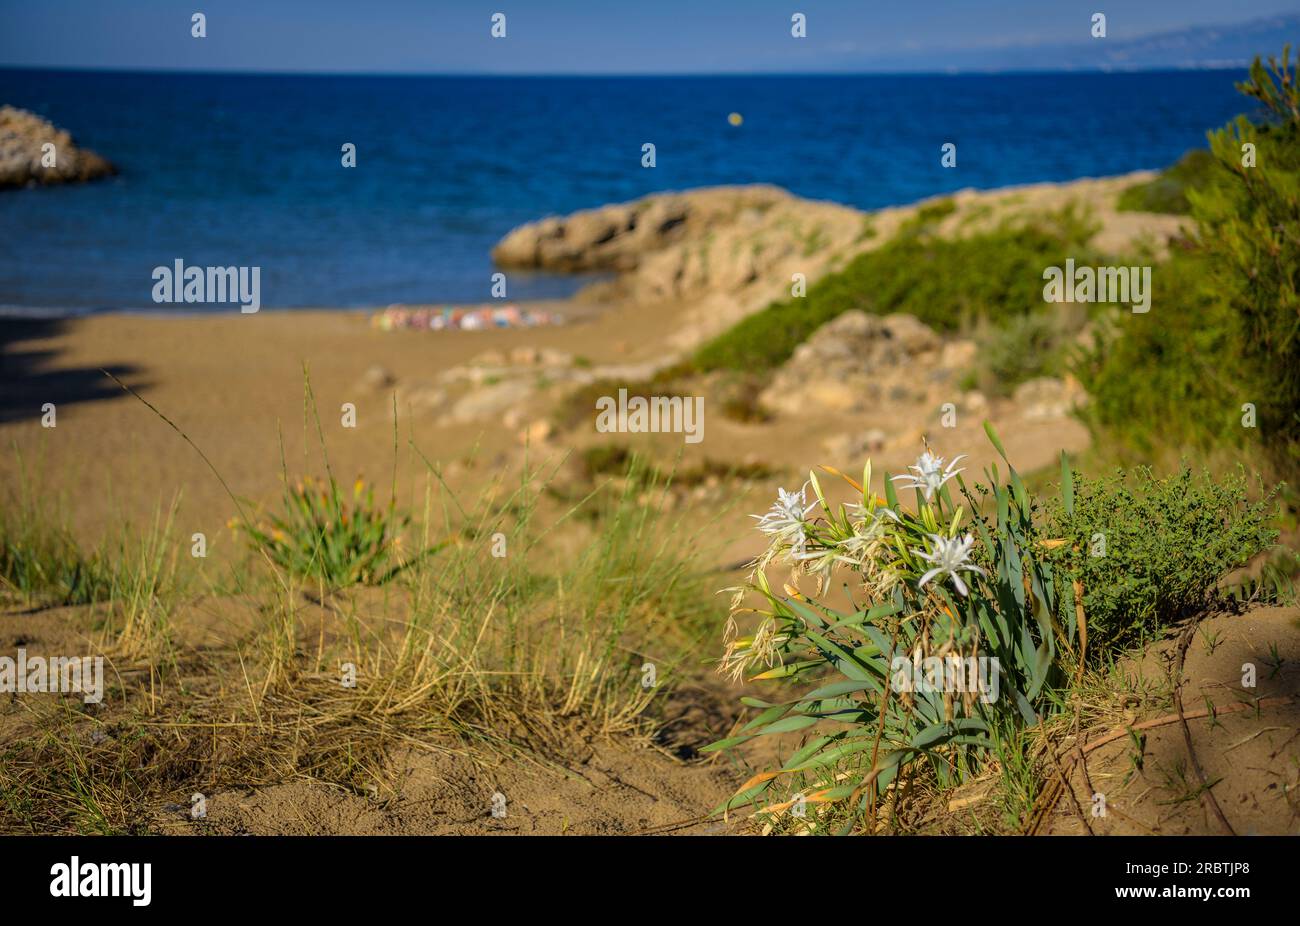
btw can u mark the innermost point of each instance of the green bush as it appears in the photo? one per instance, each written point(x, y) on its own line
point(1021, 349)
point(949, 284)
point(1167, 193)
point(1172, 377)
point(605, 460)
point(1249, 221)
point(736, 395)
point(1150, 550)
point(579, 407)
point(620, 460)
point(1223, 331)
point(931, 213)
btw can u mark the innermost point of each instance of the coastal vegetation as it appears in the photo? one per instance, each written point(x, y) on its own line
point(1052, 590)
point(1168, 192)
point(973, 619)
point(920, 651)
point(1221, 368)
point(487, 641)
point(951, 284)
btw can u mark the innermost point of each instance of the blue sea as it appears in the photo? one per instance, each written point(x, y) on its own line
point(221, 169)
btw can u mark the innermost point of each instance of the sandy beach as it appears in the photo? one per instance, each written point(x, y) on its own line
point(234, 383)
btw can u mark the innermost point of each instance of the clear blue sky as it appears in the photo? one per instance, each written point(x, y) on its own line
point(579, 36)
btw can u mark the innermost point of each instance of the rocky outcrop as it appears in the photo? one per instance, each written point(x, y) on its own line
point(721, 252)
point(23, 155)
point(859, 361)
point(619, 236)
point(1048, 398)
point(718, 254)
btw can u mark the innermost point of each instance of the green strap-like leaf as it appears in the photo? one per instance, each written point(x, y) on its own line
point(1067, 484)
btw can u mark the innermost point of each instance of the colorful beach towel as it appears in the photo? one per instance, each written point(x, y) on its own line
point(444, 318)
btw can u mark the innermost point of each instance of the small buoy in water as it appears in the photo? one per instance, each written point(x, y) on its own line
point(735, 118)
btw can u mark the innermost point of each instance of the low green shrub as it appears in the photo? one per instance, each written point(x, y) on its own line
point(605, 460)
point(950, 284)
point(1167, 193)
point(579, 407)
point(1022, 348)
point(1150, 550)
point(736, 396)
point(931, 214)
point(619, 460)
point(1173, 377)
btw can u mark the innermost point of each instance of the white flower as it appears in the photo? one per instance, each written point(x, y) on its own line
point(859, 515)
point(949, 557)
point(764, 647)
point(787, 518)
point(868, 534)
point(930, 473)
point(819, 564)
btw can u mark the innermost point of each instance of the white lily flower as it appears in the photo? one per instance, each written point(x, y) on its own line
point(788, 517)
point(949, 557)
point(819, 564)
point(868, 533)
point(930, 474)
point(859, 514)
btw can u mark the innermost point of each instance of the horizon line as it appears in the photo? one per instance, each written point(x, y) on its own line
point(594, 75)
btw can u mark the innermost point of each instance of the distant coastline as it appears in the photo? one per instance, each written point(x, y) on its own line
point(1201, 46)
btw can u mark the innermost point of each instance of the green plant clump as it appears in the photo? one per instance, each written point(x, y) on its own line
point(45, 565)
point(1216, 362)
point(948, 284)
point(1167, 193)
point(964, 635)
point(1150, 550)
point(950, 651)
point(320, 534)
point(1021, 349)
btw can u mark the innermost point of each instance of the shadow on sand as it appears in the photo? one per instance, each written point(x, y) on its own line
point(28, 381)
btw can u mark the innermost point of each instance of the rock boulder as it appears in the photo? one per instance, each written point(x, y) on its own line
point(23, 137)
